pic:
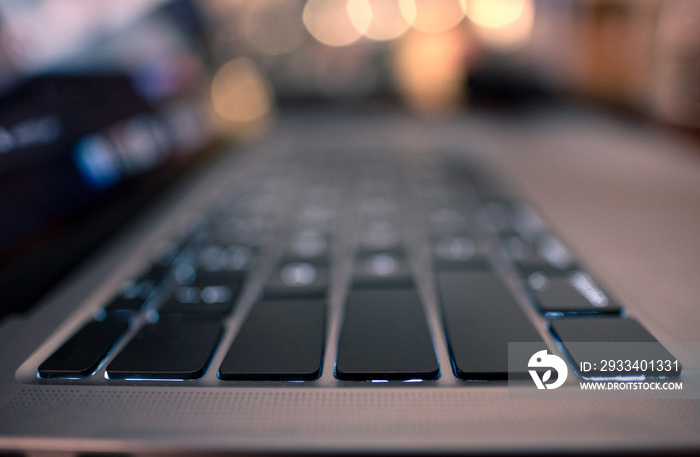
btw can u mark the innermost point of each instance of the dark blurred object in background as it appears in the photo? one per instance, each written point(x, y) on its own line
point(100, 103)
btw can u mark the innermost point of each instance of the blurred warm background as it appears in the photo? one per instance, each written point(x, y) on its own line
point(439, 55)
point(433, 56)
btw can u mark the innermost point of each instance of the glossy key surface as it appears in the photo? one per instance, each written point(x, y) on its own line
point(279, 340)
point(83, 352)
point(385, 337)
point(168, 350)
point(573, 293)
point(481, 318)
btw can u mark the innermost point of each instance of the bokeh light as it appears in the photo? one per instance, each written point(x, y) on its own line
point(329, 21)
point(433, 16)
point(360, 14)
point(504, 24)
point(386, 21)
point(240, 93)
point(429, 69)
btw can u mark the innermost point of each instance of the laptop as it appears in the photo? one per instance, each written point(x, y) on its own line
point(190, 268)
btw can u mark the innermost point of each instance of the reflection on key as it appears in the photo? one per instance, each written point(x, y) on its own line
point(575, 293)
point(297, 280)
point(381, 265)
point(298, 274)
point(384, 269)
point(385, 337)
point(456, 253)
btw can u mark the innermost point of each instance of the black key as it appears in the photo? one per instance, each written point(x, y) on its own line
point(608, 343)
point(168, 350)
point(280, 340)
point(297, 280)
point(385, 336)
point(82, 354)
point(383, 270)
point(574, 293)
point(481, 318)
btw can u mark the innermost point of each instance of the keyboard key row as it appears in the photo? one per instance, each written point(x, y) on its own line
point(384, 336)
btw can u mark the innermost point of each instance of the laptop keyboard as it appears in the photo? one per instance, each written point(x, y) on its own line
point(249, 293)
